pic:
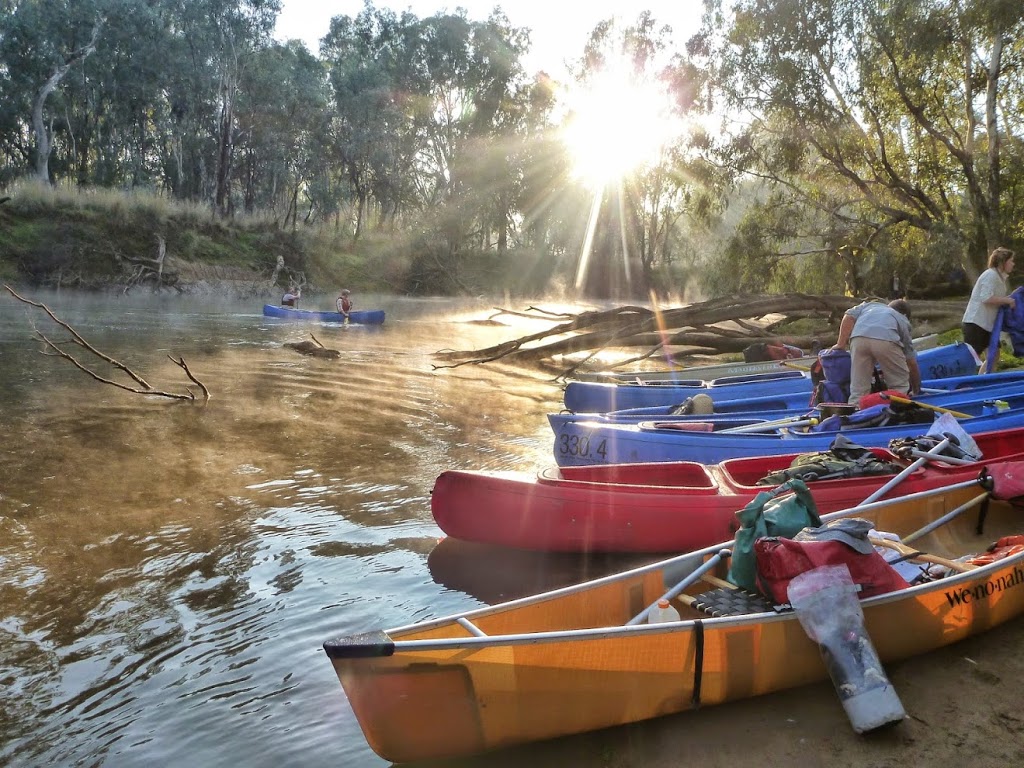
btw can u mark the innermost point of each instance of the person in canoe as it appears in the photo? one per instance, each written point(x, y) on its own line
point(291, 297)
point(990, 293)
point(879, 334)
point(345, 302)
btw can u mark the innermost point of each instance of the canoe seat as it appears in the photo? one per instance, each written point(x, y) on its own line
point(730, 601)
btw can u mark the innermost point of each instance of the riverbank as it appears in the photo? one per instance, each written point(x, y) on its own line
point(109, 240)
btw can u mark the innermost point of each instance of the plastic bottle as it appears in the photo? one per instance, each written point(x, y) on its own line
point(663, 611)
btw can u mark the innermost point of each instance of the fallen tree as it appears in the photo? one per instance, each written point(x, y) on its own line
point(715, 327)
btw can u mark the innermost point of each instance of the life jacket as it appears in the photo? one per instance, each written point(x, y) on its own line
point(1004, 547)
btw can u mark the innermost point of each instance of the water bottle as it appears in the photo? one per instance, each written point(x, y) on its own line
point(663, 611)
point(994, 406)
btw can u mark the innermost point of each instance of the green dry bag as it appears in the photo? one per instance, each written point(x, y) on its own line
point(767, 515)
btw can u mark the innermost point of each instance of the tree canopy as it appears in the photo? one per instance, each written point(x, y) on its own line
point(814, 145)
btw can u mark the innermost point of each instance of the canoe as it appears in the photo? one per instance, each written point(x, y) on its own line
point(585, 442)
point(717, 370)
point(598, 397)
point(769, 407)
point(579, 658)
point(359, 317)
point(658, 507)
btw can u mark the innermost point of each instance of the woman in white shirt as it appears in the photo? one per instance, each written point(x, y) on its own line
point(989, 294)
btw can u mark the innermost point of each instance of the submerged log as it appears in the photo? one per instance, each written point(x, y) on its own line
point(313, 348)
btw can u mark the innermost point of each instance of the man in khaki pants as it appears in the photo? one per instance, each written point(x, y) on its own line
point(879, 334)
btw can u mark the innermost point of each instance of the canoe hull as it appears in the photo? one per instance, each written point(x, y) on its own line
point(586, 442)
point(597, 397)
point(660, 507)
point(359, 317)
point(564, 662)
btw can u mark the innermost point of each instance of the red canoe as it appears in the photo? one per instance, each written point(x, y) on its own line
point(656, 507)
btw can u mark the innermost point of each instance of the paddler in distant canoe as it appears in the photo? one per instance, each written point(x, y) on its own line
point(345, 303)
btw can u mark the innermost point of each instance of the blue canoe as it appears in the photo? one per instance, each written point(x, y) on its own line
point(584, 443)
point(728, 413)
point(599, 397)
point(359, 317)
point(774, 406)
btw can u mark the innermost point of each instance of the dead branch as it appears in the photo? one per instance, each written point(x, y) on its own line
point(142, 387)
point(725, 325)
point(313, 348)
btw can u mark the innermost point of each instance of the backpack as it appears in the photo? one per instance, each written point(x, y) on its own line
point(780, 560)
point(830, 377)
point(761, 352)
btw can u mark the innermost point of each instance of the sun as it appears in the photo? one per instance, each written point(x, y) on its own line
point(617, 124)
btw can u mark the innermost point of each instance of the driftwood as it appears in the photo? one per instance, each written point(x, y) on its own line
point(719, 326)
point(313, 348)
point(142, 270)
point(141, 386)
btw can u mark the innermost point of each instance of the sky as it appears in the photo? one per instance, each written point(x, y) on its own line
point(559, 28)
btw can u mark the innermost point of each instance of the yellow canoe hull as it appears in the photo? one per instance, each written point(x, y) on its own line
point(564, 663)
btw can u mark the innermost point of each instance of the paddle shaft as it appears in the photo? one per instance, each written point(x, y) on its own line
point(880, 492)
point(937, 409)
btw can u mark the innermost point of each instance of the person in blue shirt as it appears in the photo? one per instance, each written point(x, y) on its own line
point(879, 334)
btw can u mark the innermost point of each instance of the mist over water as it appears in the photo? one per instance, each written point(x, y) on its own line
point(169, 570)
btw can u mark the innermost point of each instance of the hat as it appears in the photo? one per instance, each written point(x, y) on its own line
point(852, 531)
point(345, 291)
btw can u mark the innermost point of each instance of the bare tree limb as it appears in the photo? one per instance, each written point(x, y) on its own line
point(725, 325)
point(143, 387)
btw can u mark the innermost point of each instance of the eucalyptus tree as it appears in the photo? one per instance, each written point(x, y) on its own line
point(280, 113)
point(371, 131)
point(884, 124)
point(41, 42)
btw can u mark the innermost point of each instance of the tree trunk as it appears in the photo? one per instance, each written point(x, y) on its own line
point(43, 143)
point(227, 91)
point(994, 227)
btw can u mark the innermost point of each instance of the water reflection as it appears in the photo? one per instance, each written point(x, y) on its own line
point(168, 570)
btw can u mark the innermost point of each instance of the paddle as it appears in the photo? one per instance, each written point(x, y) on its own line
point(766, 426)
point(932, 453)
point(912, 554)
point(937, 409)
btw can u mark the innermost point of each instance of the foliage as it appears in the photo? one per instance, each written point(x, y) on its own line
point(827, 146)
point(874, 136)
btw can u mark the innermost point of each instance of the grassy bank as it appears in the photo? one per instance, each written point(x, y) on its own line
point(104, 240)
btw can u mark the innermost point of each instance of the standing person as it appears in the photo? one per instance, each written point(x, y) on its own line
point(879, 334)
point(291, 297)
point(345, 303)
point(990, 293)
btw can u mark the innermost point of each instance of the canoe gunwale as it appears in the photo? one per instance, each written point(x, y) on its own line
point(336, 648)
point(671, 564)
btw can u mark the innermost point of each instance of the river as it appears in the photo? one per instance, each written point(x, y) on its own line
point(169, 570)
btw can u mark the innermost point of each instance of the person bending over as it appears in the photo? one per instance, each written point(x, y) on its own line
point(879, 334)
